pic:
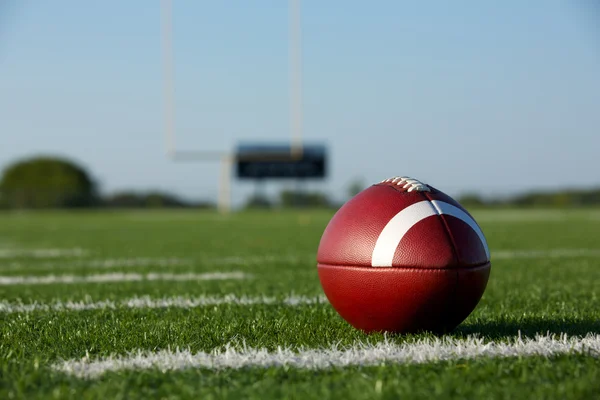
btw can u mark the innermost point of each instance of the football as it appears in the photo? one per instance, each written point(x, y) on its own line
point(402, 256)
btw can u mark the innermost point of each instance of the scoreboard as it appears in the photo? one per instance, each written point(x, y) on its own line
point(270, 161)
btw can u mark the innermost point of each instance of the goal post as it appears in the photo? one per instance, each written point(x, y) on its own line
point(227, 158)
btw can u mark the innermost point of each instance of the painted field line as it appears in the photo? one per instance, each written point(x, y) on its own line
point(136, 262)
point(253, 260)
point(119, 277)
point(133, 262)
point(422, 351)
point(554, 253)
point(130, 262)
point(147, 302)
point(41, 253)
point(173, 261)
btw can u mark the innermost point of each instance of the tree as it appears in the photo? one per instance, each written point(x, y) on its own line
point(46, 182)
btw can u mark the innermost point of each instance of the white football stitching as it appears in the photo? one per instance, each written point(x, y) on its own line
point(408, 183)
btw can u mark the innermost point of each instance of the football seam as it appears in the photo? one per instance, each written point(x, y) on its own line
point(446, 229)
point(446, 269)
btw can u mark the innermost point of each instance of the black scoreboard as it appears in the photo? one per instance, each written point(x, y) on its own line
point(267, 161)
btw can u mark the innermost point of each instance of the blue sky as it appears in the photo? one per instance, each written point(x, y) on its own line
point(490, 97)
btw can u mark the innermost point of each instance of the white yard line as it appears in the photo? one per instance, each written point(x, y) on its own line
point(173, 261)
point(133, 262)
point(147, 302)
point(254, 260)
point(119, 277)
point(130, 262)
point(41, 253)
point(422, 351)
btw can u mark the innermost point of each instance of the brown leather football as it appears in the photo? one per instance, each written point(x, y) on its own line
point(401, 256)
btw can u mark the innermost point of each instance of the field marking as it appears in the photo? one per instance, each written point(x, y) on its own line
point(554, 253)
point(132, 262)
point(137, 262)
point(147, 302)
point(42, 253)
point(253, 260)
point(119, 277)
point(421, 351)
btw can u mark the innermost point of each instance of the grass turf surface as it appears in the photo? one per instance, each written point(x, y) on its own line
point(556, 294)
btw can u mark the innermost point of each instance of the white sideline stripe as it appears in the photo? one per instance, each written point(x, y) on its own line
point(253, 260)
point(41, 253)
point(421, 351)
point(555, 253)
point(147, 302)
point(392, 234)
point(136, 262)
point(119, 277)
point(133, 262)
point(130, 262)
point(106, 263)
point(170, 262)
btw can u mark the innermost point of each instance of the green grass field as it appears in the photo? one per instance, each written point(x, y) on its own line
point(75, 286)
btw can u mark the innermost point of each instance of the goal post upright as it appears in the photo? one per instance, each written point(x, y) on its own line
point(166, 13)
point(227, 159)
point(295, 66)
point(224, 202)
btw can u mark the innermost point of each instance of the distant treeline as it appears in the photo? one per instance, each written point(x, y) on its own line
point(50, 182)
point(149, 200)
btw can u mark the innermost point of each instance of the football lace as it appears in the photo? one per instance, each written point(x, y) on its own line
point(408, 183)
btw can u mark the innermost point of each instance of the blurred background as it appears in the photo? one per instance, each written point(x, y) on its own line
point(495, 103)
